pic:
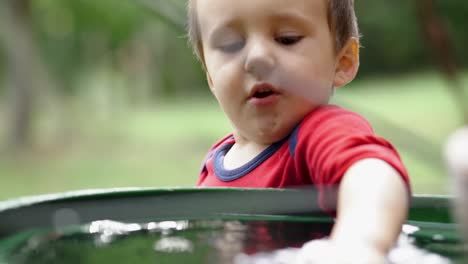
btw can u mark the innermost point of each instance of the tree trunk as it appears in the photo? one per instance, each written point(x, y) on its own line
point(440, 43)
point(15, 24)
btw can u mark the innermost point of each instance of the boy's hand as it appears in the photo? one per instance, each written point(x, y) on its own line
point(372, 206)
point(329, 252)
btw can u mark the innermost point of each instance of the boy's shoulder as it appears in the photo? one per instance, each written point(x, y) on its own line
point(228, 139)
point(333, 116)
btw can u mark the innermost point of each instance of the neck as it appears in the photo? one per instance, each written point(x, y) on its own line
point(243, 151)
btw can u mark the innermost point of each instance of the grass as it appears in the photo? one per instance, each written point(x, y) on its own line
point(163, 145)
point(160, 146)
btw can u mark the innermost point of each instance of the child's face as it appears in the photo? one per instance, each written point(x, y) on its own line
point(269, 62)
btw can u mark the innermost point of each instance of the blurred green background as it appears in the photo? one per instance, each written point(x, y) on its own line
point(98, 94)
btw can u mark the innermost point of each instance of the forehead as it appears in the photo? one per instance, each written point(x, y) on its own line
point(217, 12)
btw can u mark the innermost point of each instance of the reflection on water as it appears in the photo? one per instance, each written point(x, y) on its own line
point(106, 231)
point(173, 245)
point(210, 241)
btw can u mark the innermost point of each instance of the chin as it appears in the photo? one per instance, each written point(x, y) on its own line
point(275, 132)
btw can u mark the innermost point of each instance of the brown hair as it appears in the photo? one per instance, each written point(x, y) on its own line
point(341, 19)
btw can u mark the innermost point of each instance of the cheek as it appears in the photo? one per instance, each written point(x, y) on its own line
point(227, 78)
point(306, 72)
point(308, 80)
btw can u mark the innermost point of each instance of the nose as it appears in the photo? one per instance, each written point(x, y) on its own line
point(260, 60)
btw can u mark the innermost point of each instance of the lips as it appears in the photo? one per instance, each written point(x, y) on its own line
point(263, 90)
point(264, 94)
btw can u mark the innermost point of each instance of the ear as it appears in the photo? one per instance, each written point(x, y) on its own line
point(347, 63)
point(210, 81)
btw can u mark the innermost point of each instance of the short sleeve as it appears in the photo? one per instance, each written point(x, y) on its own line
point(331, 140)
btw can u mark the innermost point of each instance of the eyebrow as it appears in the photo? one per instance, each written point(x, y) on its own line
point(289, 16)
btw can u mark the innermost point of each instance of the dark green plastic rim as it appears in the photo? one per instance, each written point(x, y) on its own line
point(25, 217)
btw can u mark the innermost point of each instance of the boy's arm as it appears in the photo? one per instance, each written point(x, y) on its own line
point(373, 203)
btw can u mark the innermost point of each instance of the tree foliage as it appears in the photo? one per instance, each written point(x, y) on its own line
point(393, 40)
point(74, 34)
point(77, 35)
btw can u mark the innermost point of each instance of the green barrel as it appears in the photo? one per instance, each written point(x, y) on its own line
point(172, 220)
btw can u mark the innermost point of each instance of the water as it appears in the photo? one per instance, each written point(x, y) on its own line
point(215, 241)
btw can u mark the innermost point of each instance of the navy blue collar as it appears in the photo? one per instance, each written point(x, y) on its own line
point(231, 175)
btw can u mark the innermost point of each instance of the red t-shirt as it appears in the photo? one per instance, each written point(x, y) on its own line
point(318, 152)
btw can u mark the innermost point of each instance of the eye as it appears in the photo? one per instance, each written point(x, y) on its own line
point(288, 40)
point(232, 47)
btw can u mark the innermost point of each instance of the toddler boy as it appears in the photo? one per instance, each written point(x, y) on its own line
point(273, 66)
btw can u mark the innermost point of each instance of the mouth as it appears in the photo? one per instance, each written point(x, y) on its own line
point(264, 90)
